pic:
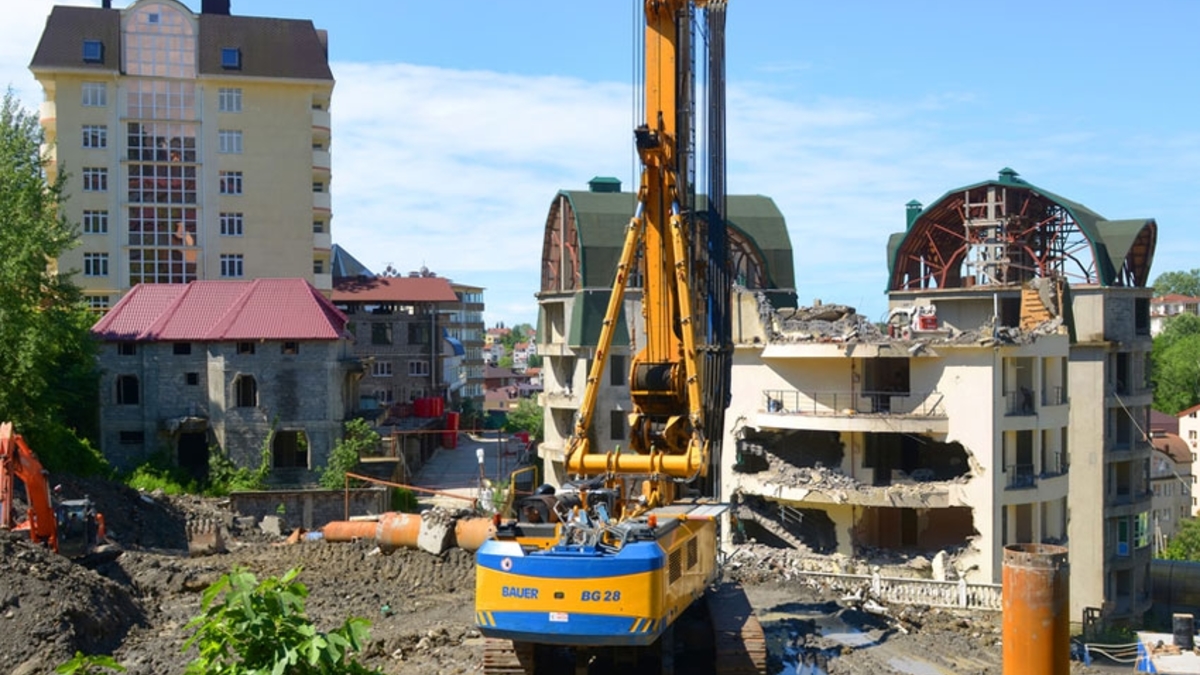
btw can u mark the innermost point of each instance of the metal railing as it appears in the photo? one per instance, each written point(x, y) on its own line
point(913, 404)
point(1020, 476)
point(904, 591)
point(1054, 396)
point(1019, 402)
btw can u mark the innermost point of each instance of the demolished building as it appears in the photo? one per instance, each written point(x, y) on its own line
point(999, 402)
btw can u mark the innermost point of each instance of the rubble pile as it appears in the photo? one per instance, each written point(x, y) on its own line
point(822, 323)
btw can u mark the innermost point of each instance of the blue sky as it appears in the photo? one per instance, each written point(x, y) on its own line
point(457, 121)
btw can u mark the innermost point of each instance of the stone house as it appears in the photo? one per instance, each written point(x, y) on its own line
point(225, 366)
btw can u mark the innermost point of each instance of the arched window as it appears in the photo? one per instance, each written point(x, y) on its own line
point(245, 391)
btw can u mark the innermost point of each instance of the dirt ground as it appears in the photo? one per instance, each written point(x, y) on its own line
point(136, 607)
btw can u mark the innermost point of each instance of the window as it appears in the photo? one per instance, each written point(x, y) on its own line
point(245, 348)
point(127, 348)
point(95, 264)
point(95, 222)
point(418, 368)
point(95, 179)
point(616, 418)
point(616, 372)
point(161, 141)
point(95, 136)
point(231, 58)
point(127, 390)
point(191, 379)
point(94, 95)
point(132, 437)
point(229, 141)
point(231, 265)
point(1123, 537)
point(93, 51)
point(318, 267)
point(231, 224)
point(318, 226)
point(381, 333)
point(231, 182)
point(381, 369)
point(289, 347)
point(182, 348)
point(418, 333)
point(229, 99)
point(245, 391)
point(1141, 530)
point(318, 187)
point(97, 302)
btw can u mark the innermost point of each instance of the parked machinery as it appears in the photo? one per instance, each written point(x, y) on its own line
point(70, 527)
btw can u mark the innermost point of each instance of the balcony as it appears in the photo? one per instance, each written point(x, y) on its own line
point(1019, 477)
point(322, 282)
point(321, 160)
point(903, 412)
point(320, 122)
point(322, 202)
point(48, 113)
point(322, 241)
point(560, 399)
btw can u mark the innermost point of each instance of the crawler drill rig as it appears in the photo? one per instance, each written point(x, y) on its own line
point(617, 570)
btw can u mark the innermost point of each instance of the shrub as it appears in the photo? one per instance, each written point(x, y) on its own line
point(248, 627)
point(359, 439)
point(89, 664)
point(158, 473)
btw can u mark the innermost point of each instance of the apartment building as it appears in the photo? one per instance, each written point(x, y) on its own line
point(582, 243)
point(462, 320)
point(1005, 401)
point(394, 323)
point(197, 145)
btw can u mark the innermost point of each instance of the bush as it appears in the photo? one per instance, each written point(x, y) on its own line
point(89, 664)
point(248, 627)
point(159, 473)
point(404, 500)
point(359, 439)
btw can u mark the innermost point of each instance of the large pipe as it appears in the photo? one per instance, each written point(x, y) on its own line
point(470, 533)
point(1036, 600)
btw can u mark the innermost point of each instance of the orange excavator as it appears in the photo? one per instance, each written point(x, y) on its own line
point(70, 527)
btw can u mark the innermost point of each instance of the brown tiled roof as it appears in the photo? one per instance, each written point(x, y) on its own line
point(270, 47)
point(393, 289)
point(263, 309)
point(1160, 421)
point(61, 45)
point(1175, 447)
point(283, 48)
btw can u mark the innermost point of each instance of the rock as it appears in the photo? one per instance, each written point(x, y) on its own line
point(272, 525)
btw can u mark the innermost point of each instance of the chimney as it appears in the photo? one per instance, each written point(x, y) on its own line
point(106, 4)
point(214, 7)
point(604, 184)
point(913, 211)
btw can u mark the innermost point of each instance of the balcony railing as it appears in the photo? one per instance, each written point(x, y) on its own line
point(1020, 476)
point(1054, 396)
point(914, 404)
point(1019, 403)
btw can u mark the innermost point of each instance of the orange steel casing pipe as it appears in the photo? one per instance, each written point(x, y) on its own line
point(1036, 601)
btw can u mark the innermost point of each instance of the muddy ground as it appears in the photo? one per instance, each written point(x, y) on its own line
point(137, 606)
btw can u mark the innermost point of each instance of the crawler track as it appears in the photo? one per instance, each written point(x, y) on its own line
point(505, 657)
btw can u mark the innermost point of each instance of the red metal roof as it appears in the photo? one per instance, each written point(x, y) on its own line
point(393, 289)
point(1174, 299)
point(262, 309)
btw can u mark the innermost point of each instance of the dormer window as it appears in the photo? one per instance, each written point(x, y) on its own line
point(93, 51)
point(231, 58)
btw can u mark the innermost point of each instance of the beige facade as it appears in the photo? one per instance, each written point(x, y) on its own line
point(197, 145)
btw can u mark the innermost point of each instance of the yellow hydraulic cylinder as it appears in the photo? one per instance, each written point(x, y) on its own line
point(1036, 633)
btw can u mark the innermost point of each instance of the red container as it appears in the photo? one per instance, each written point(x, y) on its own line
point(424, 408)
point(452, 421)
point(439, 406)
point(522, 436)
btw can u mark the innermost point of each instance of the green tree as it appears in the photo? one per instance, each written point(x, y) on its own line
point(1175, 365)
point(359, 439)
point(47, 354)
point(527, 416)
point(252, 628)
point(1179, 282)
point(1185, 545)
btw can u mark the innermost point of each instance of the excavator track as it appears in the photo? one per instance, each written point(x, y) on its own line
point(505, 657)
point(738, 640)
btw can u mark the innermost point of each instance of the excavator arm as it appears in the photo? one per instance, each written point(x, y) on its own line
point(17, 461)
